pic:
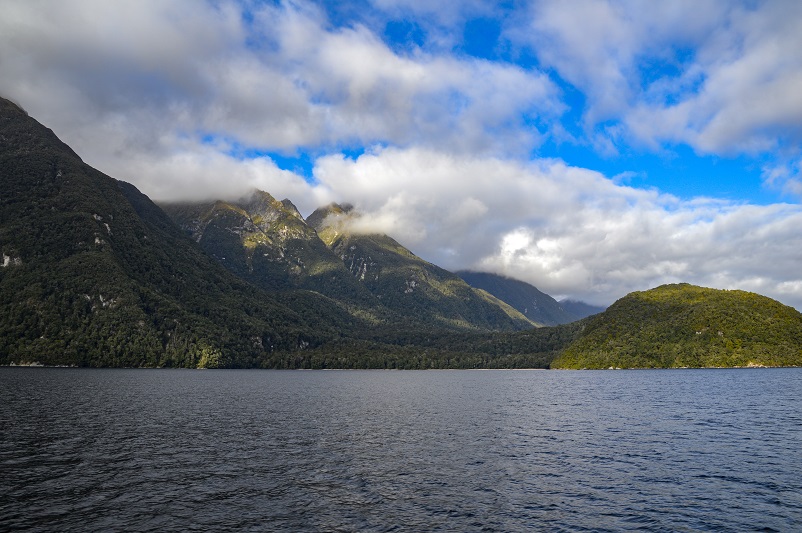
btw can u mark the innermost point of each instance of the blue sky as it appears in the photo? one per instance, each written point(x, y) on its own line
point(483, 32)
point(590, 147)
point(677, 168)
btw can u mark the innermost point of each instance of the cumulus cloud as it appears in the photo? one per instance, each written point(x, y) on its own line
point(719, 76)
point(602, 46)
point(136, 74)
point(569, 231)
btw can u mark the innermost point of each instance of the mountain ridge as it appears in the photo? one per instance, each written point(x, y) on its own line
point(406, 283)
point(98, 275)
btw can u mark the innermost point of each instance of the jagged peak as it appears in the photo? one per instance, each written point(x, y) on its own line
point(289, 206)
point(325, 216)
point(258, 202)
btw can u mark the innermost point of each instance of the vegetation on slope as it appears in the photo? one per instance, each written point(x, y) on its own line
point(440, 349)
point(94, 274)
point(268, 243)
point(687, 326)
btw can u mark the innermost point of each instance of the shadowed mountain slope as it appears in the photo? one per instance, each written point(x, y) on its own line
point(537, 306)
point(581, 309)
point(93, 273)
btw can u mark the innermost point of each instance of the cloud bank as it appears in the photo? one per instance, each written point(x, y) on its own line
point(570, 231)
point(437, 146)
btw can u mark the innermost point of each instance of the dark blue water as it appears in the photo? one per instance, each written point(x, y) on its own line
point(164, 450)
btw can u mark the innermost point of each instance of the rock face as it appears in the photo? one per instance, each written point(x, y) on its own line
point(260, 239)
point(686, 326)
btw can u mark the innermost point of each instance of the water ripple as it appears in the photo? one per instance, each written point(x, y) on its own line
point(400, 451)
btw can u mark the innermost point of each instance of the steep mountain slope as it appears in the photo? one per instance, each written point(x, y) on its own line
point(687, 326)
point(537, 306)
point(406, 283)
point(268, 243)
point(94, 274)
point(581, 309)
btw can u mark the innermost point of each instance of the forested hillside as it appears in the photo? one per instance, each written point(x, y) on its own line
point(687, 326)
point(95, 274)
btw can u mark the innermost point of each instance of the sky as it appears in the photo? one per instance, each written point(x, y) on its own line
point(589, 147)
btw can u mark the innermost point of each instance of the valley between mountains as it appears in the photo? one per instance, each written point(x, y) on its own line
point(95, 274)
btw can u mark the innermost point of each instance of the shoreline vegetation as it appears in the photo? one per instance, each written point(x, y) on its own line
point(40, 365)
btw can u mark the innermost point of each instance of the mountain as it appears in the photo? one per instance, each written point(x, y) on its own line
point(268, 243)
point(581, 309)
point(95, 274)
point(407, 284)
point(537, 306)
point(687, 326)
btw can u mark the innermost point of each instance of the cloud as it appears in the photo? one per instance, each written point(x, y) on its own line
point(195, 172)
point(748, 101)
point(286, 80)
point(567, 230)
point(719, 76)
point(372, 94)
point(605, 48)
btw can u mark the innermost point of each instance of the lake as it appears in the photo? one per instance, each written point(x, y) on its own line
point(519, 450)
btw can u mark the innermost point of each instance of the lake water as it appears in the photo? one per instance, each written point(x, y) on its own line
point(158, 450)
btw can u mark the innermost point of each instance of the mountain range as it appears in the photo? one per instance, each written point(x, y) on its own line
point(94, 273)
point(371, 276)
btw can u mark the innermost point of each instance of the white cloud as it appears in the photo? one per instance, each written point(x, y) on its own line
point(569, 231)
point(600, 46)
point(286, 80)
point(195, 173)
point(720, 76)
point(371, 94)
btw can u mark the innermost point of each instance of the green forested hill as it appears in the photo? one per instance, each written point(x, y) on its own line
point(687, 326)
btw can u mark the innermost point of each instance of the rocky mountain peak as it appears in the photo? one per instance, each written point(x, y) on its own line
point(326, 216)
